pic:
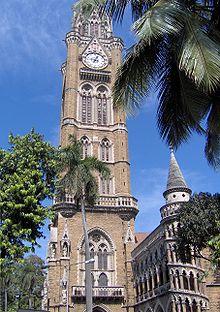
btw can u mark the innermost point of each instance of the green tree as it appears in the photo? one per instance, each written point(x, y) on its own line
point(178, 52)
point(199, 227)
point(27, 178)
point(22, 283)
point(77, 178)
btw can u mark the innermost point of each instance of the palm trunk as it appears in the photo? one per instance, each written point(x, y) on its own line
point(6, 300)
point(88, 277)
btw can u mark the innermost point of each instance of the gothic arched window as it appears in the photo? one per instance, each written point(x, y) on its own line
point(101, 250)
point(102, 113)
point(92, 29)
point(106, 151)
point(161, 275)
point(103, 280)
point(86, 147)
point(191, 281)
point(185, 281)
point(178, 279)
point(86, 103)
point(102, 257)
point(188, 309)
point(106, 186)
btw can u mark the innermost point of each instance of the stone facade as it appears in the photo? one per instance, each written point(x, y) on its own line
point(162, 282)
point(93, 56)
point(159, 282)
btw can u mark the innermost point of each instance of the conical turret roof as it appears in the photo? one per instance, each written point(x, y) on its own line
point(175, 176)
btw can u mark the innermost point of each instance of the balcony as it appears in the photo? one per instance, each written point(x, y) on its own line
point(78, 292)
point(104, 201)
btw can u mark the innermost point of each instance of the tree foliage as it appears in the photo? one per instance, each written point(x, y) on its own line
point(27, 178)
point(178, 52)
point(22, 283)
point(76, 176)
point(199, 226)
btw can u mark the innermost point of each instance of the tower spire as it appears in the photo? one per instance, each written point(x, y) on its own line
point(176, 183)
point(175, 176)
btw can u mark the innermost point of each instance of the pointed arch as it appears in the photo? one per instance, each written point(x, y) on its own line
point(86, 146)
point(102, 95)
point(102, 250)
point(86, 103)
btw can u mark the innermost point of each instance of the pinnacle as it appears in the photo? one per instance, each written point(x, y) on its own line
point(175, 176)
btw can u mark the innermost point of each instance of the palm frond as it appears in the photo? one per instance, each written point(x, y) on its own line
point(199, 56)
point(164, 18)
point(117, 8)
point(181, 105)
point(135, 76)
point(87, 6)
point(212, 148)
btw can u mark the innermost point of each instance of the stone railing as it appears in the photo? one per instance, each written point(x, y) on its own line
point(116, 292)
point(105, 201)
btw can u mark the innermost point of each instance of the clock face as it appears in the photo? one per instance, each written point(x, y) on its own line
point(95, 60)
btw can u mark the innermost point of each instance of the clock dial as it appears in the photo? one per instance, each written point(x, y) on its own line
point(95, 60)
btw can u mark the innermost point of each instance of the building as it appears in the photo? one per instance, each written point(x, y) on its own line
point(162, 282)
point(159, 281)
point(93, 56)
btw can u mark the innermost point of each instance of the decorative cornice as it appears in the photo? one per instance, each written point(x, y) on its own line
point(93, 126)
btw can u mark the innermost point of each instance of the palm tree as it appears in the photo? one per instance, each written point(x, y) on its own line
point(76, 178)
point(177, 52)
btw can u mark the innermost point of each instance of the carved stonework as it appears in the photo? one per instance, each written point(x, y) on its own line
point(65, 242)
point(129, 237)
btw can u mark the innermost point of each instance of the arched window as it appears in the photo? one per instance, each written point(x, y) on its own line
point(96, 29)
point(178, 279)
point(194, 306)
point(181, 304)
point(103, 253)
point(106, 150)
point(103, 32)
point(188, 309)
point(167, 273)
point(155, 278)
point(161, 275)
point(92, 29)
point(198, 281)
point(102, 112)
point(85, 29)
point(92, 256)
point(106, 186)
point(102, 257)
point(150, 280)
point(174, 279)
point(86, 104)
point(86, 150)
point(145, 284)
point(185, 281)
point(191, 281)
point(141, 287)
point(103, 280)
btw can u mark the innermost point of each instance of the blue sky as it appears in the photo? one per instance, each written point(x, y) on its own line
point(31, 52)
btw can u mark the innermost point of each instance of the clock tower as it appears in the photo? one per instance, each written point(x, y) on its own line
point(93, 56)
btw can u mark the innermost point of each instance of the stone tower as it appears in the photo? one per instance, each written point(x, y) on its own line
point(93, 56)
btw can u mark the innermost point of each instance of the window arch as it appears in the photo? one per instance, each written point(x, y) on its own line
point(191, 281)
point(103, 253)
point(102, 107)
point(86, 103)
point(185, 281)
point(86, 147)
point(106, 150)
point(106, 186)
point(103, 280)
